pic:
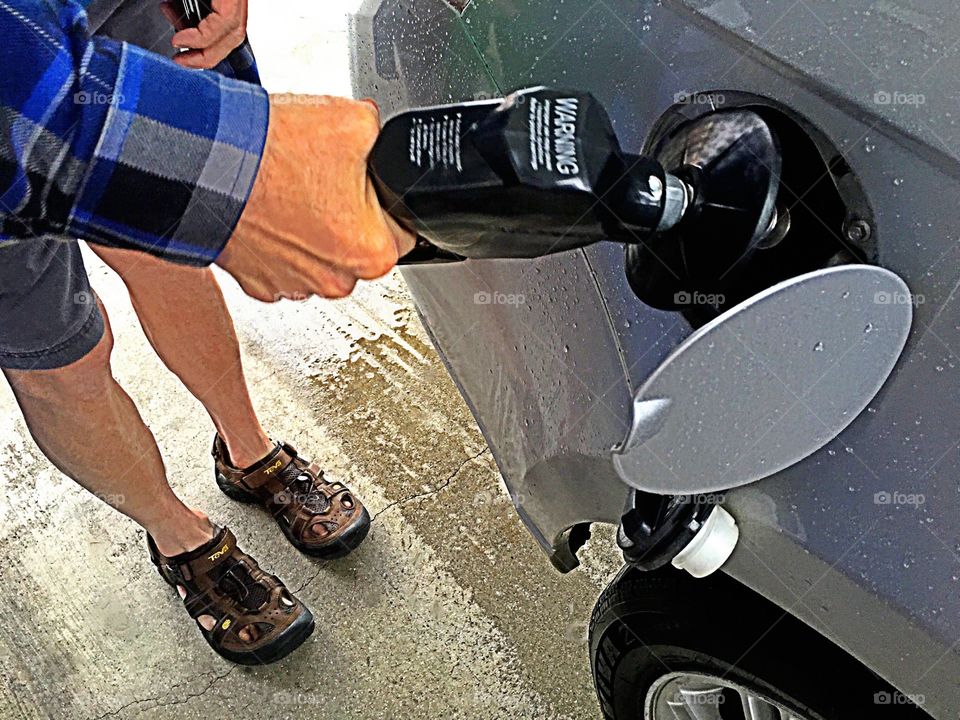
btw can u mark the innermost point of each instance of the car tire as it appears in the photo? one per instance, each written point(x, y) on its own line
point(662, 644)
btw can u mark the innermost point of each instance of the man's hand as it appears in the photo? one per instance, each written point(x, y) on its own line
point(217, 35)
point(313, 224)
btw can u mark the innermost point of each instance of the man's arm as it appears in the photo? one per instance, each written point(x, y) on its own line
point(112, 144)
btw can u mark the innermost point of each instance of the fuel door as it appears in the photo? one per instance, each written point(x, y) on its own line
point(767, 383)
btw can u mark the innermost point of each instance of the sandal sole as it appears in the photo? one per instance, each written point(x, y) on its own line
point(348, 540)
point(288, 641)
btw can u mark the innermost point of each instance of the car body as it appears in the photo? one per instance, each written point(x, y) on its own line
point(861, 540)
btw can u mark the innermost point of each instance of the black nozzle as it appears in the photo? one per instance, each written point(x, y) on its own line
point(542, 171)
point(538, 172)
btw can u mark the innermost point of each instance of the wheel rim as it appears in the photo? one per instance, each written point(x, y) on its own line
point(692, 696)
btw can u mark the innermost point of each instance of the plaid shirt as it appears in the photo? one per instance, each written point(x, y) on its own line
point(109, 143)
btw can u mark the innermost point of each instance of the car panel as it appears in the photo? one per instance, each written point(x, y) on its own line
point(879, 578)
point(533, 354)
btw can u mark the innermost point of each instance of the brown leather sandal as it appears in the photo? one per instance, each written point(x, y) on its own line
point(319, 517)
point(224, 583)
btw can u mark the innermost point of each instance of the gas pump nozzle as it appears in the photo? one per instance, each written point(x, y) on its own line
point(538, 172)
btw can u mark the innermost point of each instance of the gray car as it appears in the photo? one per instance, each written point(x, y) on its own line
point(840, 599)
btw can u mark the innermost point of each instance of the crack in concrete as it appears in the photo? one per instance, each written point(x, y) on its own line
point(434, 490)
point(186, 698)
point(403, 501)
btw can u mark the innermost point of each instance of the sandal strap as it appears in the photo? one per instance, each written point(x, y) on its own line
point(226, 625)
point(271, 482)
point(201, 564)
point(264, 479)
point(295, 490)
point(190, 569)
point(226, 584)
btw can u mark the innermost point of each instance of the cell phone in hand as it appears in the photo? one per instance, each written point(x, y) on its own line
point(241, 62)
point(194, 11)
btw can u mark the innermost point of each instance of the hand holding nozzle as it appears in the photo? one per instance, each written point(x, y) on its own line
point(313, 224)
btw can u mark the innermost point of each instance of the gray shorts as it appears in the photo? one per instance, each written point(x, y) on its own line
point(48, 314)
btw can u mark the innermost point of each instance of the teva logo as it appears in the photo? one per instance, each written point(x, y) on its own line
point(565, 136)
point(273, 467)
point(220, 553)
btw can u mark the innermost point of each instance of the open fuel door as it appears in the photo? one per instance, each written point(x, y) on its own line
point(767, 383)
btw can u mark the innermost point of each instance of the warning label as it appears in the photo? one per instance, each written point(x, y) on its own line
point(436, 141)
point(552, 126)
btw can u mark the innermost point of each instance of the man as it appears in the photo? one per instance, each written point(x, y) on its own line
point(155, 162)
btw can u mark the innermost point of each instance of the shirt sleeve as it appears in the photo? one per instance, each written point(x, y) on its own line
point(110, 143)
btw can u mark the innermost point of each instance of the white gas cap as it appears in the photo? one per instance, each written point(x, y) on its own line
point(711, 547)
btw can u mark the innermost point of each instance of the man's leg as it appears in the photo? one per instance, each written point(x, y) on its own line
point(55, 345)
point(318, 514)
point(184, 316)
point(86, 424)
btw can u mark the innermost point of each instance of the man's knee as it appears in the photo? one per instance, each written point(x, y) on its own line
point(147, 276)
point(82, 380)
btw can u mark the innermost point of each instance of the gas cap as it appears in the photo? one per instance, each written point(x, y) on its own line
point(767, 383)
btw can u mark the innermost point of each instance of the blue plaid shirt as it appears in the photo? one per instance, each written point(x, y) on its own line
point(104, 141)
